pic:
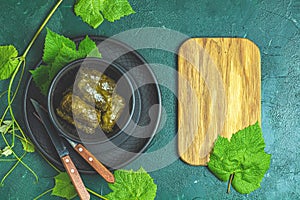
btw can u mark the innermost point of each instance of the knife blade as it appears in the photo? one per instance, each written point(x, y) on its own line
point(62, 151)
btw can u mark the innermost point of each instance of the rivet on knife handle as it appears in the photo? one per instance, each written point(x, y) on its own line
point(92, 160)
point(75, 178)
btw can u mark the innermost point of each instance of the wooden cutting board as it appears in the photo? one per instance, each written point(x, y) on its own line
point(219, 93)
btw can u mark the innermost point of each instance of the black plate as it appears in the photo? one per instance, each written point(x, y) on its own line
point(114, 157)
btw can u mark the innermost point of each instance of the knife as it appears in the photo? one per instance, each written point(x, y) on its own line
point(88, 157)
point(62, 152)
point(92, 161)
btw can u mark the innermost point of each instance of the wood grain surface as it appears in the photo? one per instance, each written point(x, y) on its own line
point(219, 93)
point(75, 178)
point(95, 163)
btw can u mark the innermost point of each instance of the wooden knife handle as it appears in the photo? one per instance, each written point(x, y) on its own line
point(94, 162)
point(75, 178)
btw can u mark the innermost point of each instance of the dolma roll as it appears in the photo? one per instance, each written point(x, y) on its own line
point(113, 112)
point(82, 115)
point(96, 102)
point(95, 87)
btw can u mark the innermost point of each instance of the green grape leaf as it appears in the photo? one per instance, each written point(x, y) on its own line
point(27, 146)
point(63, 57)
point(53, 43)
point(89, 11)
point(88, 48)
point(6, 151)
point(41, 78)
point(113, 10)
point(93, 11)
point(8, 61)
point(132, 185)
point(63, 186)
point(243, 157)
point(6, 126)
point(58, 52)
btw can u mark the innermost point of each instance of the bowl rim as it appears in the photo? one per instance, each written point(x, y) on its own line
point(31, 90)
point(71, 65)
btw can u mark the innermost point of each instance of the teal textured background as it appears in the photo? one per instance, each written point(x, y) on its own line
point(273, 25)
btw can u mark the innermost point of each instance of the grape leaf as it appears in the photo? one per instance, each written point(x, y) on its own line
point(53, 43)
point(115, 9)
point(87, 48)
point(41, 78)
point(59, 51)
point(8, 61)
point(63, 57)
point(27, 146)
point(6, 151)
point(89, 11)
point(6, 126)
point(93, 11)
point(63, 186)
point(132, 185)
point(243, 157)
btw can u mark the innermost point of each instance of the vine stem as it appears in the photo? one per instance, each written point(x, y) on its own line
point(10, 97)
point(10, 171)
point(43, 194)
point(96, 194)
point(229, 183)
point(56, 169)
point(22, 59)
point(13, 95)
point(8, 160)
point(41, 27)
point(2, 94)
point(19, 161)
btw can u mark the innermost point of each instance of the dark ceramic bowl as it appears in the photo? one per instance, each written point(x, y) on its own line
point(65, 80)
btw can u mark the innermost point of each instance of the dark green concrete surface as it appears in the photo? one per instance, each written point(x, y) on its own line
point(273, 25)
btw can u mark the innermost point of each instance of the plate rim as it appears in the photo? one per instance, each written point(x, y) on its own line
point(57, 162)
